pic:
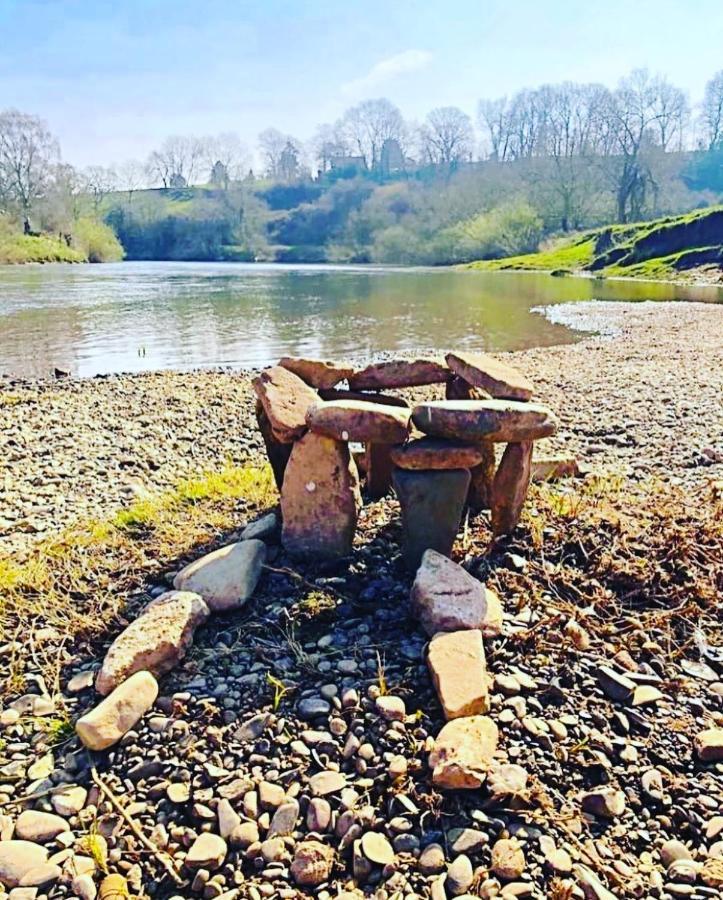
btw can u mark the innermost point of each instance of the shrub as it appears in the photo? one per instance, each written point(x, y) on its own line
point(96, 241)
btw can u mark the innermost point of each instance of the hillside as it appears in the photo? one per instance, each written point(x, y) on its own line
point(688, 246)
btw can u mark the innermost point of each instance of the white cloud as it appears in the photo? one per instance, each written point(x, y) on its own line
point(387, 70)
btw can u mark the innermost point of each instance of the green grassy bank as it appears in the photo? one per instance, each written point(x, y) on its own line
point(664, 249)
point(90, 241)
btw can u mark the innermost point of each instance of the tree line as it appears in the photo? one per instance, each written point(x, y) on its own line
point(564, 156)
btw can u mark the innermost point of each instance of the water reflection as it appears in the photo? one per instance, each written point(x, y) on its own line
point(137, 316)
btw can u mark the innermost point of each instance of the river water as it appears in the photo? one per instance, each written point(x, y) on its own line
point(130, 317)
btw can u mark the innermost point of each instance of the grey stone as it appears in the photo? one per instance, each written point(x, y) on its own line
point(431, 505)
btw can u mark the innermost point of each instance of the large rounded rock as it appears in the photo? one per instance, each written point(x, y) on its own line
point(497, 378)
point(397, 373)
point(312, 865)
point(318, 373)
point(285, 399)
point(436, 453)
point(320, 499)
point(357, 420)
point(448, 598)
point(484, 420)
point(17, 858)
point(39, 827)
point(156, 641)
point(463, 753)
point(226, 578)
point(118, 713)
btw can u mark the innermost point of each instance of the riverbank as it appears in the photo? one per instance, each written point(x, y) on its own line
point(88, 241)
point(269, 733)
point(685, 249)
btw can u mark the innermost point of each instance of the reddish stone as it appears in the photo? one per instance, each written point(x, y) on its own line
point(459, 389)
point(484, 420)
point(437, 453)
point(318, 373)
point(355, 420)
point(496, 377)
point(286, 400)
point(319, 499)
point(509, 488)
point(379, 468)
point(398, 373)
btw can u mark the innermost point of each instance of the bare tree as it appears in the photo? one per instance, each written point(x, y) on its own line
point(631, 118)
point(177, 162)
point(447, 136)
point(272, 144)
point(327, 144)
point(98, 182)
point(227, 157)
point(494, 117)
point(28, 153)
point(671, 113)
point(712, 111)
point(368, 125)
point(132, 176)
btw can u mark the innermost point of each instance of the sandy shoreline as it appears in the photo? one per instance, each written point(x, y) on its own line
point(643, 395)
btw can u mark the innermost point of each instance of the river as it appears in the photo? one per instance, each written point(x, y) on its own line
point(130, 317)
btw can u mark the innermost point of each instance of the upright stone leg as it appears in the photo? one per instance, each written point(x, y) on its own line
point(432, 503)
point(319, 499)
point(480, 488)
point(379, 469)
point(510, 485)
point(277, 452)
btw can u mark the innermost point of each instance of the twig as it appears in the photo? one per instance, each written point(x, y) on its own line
point(162, 858)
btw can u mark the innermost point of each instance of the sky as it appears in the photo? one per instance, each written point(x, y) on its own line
point(113, 79)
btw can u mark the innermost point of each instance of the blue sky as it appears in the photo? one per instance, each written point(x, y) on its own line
point(114, 78)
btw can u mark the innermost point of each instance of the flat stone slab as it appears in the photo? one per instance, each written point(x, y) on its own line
point(463, 753)
point(320, 498)
point(456, 661)
point(357, 420)
point(484, 420)
point(366, 396)
point(285, 399)
point(226, 578)
point(156, 641)
point(318, 373)
point(437, 453)
point(497, 378)
point(447, 598)
point(398, 373)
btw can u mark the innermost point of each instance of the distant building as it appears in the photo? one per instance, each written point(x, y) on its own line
point(177, 181)
point(391, 158)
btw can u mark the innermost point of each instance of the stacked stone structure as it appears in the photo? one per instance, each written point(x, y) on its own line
point(438, 456)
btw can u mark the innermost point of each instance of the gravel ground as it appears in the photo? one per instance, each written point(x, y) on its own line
point(644, 396)
point(272, 724)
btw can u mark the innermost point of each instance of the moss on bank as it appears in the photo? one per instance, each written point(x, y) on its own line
point(660, 249)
